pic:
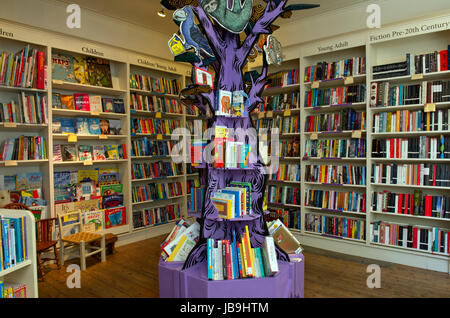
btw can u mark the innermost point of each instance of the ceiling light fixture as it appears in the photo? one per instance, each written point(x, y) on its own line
point(162, 13)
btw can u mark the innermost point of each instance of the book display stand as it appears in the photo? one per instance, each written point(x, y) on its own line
point(227, 62)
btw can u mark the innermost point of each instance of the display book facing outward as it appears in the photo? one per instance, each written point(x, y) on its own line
point(388, 189)
point(230, 175)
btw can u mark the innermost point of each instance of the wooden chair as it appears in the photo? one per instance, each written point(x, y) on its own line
point(71, 232)
point(45, 242)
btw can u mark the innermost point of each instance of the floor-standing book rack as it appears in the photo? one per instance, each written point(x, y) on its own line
point(24, 272)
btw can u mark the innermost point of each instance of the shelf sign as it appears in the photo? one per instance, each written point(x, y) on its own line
point(260, 115)
point(10, 163)
point(94, 113)
point(87, 163)
point(10, 125)
point(6, 34)
point(72, 138)
point(430, 107)
point(356, 134)
point(416, 77)
point(349, 80)
point(269, 114)
point(287, 113)
point(102, 136)
point(314, 136)
point(158, 115)
point(58, 82)
point(315, 84)
point(159, 137)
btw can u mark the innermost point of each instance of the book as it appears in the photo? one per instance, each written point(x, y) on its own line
point(270, 256)
point(93, 221)
point(63, 67)
point(99, 72)
point(82, 102)
point(67, 125)
point(69, 152)
point(94, 126)
point(82, 125)
point(57, 153)
point(84, 152)
point(56, 100)
point(115, 217)
point(108, 105)
point(99, 153)
point(95, 103)
point(80, 69)
point(238, 106)
point(104, 127)
point(119, 106)
point(115, 127)
point(67, 102)
point(284, 238)
point(111, 152)
point(224, 103)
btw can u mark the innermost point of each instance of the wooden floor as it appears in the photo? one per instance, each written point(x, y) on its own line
point(133, 272)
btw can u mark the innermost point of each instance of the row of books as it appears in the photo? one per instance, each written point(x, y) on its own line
point(88, 103)
point(338, 69)
point(156, 216)
point(288, 148)
point(13, 242)
point(154, 126)
point(156, 85)
point(285, 172)
point(285, 125)
point(190, 169)
point(410, 121)
point(284, 195)
point(156, 191)
point(84, 126)
point(346, 119)
point(228, 153)
point(155, 104)
point(279, 102)
point(80, 69)
point(31, 109)
point(196, 127)
point(235, 259)
point(335, 96)
point(147, 147)
point(349, 201)
point(72, 152)
point(159, 169)
point(25, 188)
point(180, 241)
point(231, 104)
point(12, 290)
point(233, 201)
point(416, 147)
point(284, 78)
point(24, 148)
point(436, 61)
point(26, 68)
point(191, 184)
point(421, 238)
point(290, 219)
point(412, 174)
point(332, 174)
point(415, 203)
point(335, 226)
point(195, 203)
point(335, 148)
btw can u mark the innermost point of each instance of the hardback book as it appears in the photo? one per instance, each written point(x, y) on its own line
point(112, 152)
point(108, 105)
point(84, 152)
point(180, 226)
point(80, 69)
point(284, 238)
point(238, 107)
point(81, 102)
point(69, 152)
point(94, 126)
point(122, 149)
point(111, 189)
point(56, 101)
point(56, 126)
point(63, 67)
point(57, 153)
point(82, 126)
point(99, 71)
point(183, 244)
point(99, 152)
point(115, 217)
point(119, 106)
point(112, 201)
point(224, 102)
point(93, 221)
point(28, 180)
point(67, 102)
point(104, 127)
point(95, 103)
point(115, 127)
point(108, 176)
point(269, 256)
point(67, 125)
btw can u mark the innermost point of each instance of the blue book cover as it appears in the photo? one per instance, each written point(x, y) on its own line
point(235, 256)
point(237, 201)
point(261, 266)
point(67, 125)
point(5, 239)
point(210, 245)
point(94, 126)
point(239, 260)
point(63, 67)
point(82, 126)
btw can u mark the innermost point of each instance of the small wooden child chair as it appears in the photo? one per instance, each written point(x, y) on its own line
point(71, 232)
point(45, 242)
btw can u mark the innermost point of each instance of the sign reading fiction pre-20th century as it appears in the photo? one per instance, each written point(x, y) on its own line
point(410, 31)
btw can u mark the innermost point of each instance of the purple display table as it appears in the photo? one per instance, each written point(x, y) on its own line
point(193, 282)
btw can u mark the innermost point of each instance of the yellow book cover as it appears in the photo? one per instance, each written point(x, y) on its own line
point(388, 124)
point(177, 248)
point(323, 173)
point(428, 121)
point(252, 261)
point(221, 132)
point(398, 121)
point(244, 258)
point(25, 253)
point(1, 254)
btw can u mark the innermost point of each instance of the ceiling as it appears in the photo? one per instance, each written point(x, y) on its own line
point(143, 12)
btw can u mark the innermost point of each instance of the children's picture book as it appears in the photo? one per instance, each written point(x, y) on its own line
point(87, 205)
point(94, 126)
point(203, 77)
point(95, 103)
point(108, 105)
point(88, 175)
point(108, 176)
point(111, 189)
point(64, 193)
point(28, 180)
point(82, 126)
point(63, 67)
point(104, 126)
point(84, 152)
point(85, 191)
point(81, 102)
point(99, 72)
point(80, 69)
point(112, 201)
point(122, 151)
point(115, 127)
point(57, 154)
point(67, 102)
point(93, 221)
point(56, 101)
point(224, 102)
point(62, 178)
point(115, 217)
point(238, 107)
point(67, 125)
point(112, 152)
point(119, 106)
point(56, 126)
point(9, 182)
point(99, 152)
point(69, 152)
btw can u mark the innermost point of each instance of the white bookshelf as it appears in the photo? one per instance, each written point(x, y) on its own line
point(26, 271)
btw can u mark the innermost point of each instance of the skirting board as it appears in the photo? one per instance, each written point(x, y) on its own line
point(392, 255)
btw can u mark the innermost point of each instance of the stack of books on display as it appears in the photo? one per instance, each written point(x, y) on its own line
point(233, 201)
point(180, 241)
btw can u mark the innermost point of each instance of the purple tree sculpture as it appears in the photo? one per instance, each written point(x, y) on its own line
point(227, 55)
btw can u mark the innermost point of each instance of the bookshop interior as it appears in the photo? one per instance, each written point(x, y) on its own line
point(310, 158)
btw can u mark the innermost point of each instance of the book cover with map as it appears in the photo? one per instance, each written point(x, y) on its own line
point(63, 67)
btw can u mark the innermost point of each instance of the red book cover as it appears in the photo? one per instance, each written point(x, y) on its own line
point(399, 203)
point(428, 202)
point(411, 204)
point(10, 114)
point(406, 205)
point(397, 147)
point(418, 175)
point(415, 237)
point(448, 242)
point(444, 60)
point(41, 70)
point(364, 203)
point(228, 259)
point(392, 142)
point(434, 175)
